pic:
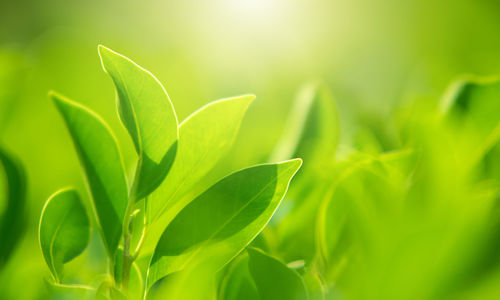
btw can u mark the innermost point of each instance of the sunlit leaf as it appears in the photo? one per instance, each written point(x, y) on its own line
point(220, 222)
point(196, 282)
point(274, 280)
point(12, 220)
point(204, 138)
point(102, 163)
point(148, 114)
point(64, 230)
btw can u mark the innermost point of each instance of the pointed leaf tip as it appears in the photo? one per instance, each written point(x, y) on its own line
point(244, 201)
point(101, 160)
point(148, 115)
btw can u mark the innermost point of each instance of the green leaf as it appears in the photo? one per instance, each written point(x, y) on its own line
point(69, 291)
point(195, 282)
point(148, 114)
point(473, 104)
point(311, 133)
point(223, 220)
point(102, 163)
point(238, 283)
point(367, 198)
point(12, 220)
point(107, 291)
point(274, 280)
point(312, 129)
point(204, 138)
point(64, 230)
point(315, 288)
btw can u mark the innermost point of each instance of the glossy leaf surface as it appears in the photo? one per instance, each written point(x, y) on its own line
point(220, 222)
point(102, 163)
point(148, 114)
point(64, 230)
point(204, 138)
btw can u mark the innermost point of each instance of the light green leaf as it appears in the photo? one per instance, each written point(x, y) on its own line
point(223, 220)
point(69, 291)
point(12, 220)
point(204, 137)
point(103, 290)
point(64, 230)
point(274, 280)
point(101, 160)
point(148, 114)
point(312, 129)
point(367, 196)
point(238, 283)
point(196, 282)
point(311, 133)
point(315, 288)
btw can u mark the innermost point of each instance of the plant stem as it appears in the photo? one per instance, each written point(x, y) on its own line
point(129, 256)
point(127, 259)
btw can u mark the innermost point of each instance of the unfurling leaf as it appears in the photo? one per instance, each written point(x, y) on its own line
point(223, 220)
point(102, 163)
point(64, 230)
point(148, 114)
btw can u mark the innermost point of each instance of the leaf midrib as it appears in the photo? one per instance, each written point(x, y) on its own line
point(191, 256)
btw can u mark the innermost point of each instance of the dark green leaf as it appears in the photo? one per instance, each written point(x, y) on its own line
point(101, 160)
point(12, 220)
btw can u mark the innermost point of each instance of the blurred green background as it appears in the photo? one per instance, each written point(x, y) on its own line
point(376, 56)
